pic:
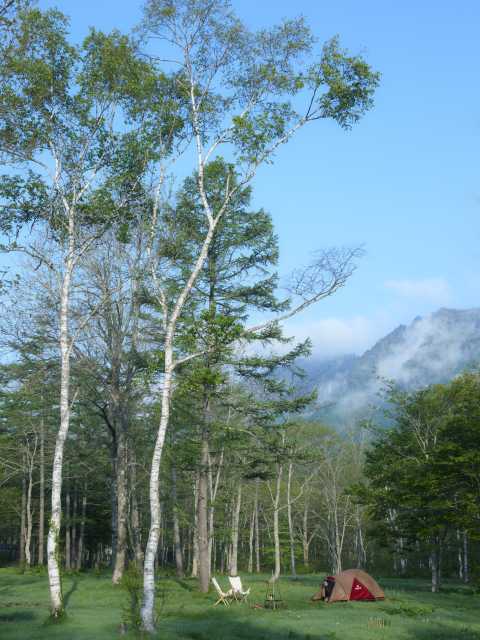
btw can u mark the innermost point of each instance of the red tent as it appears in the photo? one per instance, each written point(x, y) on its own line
point(353, 584)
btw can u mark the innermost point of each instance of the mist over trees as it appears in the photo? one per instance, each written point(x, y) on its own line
point(151, 406)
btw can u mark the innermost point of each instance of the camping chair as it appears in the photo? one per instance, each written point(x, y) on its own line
point(222, 596)
point(237, 589)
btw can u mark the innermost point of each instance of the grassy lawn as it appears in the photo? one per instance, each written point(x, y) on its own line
point(95, 610)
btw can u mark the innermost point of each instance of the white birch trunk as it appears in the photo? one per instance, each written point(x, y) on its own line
point(147, 611)
point(41, 506)
point(213, 488)
point(21, 546)
point(170, 323)
point(194, 572)
point(53, 547)
point(276, 525)
point(305, 541)
point(29, 524)
point(235, 526)
point(257, 529)
point(290, 521)
point(250, 541)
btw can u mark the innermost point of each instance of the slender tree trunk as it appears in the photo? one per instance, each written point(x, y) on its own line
point(67, 530)
point(235, 527)
point(53, 550)
point(28, 529)
point(113, 497)
point(137, 533)
point(202, 525)
point(213, 488)
point(136, 526)
point(82, 529)
point(250, 541)
point(276, 527)
point(466, 573)
point(147, 611)
point(73, 548)
point(22, 520)
point(435, 569)
point(222, 558)
point(459, 555)
point(194, 573)
point(305, 540)
point(176, 527)
point(403, 559)
point(360, 542)
point(290, 521)
point(121, 551)
point(257, 529)
point(337, 545)
point(41, 502)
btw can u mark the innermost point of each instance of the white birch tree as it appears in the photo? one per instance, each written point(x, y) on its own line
point(241, 89)
point(76, 164)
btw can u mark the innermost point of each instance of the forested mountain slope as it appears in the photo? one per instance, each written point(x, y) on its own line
point(431, 349)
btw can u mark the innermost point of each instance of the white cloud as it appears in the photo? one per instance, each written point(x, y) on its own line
point(335, 336)
point(432, 289)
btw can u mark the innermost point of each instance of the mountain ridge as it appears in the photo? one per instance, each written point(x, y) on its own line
point(431, 349)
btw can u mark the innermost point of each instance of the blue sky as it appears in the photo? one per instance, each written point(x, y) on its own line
point(404, 182)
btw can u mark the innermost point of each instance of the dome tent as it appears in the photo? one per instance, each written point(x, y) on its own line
point(353, 584)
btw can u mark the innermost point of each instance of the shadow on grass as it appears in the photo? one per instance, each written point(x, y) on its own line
point(443, 633)
point(242, 630)
point(227, 623)
point(462, 590)
point(190, 587)
point(68, 595)
point(16, 616)
point(17, 580)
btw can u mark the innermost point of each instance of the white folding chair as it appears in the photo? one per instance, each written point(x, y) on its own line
point(223, 596)
point(237, 589)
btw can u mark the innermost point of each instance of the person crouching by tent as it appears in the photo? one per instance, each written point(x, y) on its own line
point(327, 588)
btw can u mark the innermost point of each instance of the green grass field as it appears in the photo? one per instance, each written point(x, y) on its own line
point(410, 611)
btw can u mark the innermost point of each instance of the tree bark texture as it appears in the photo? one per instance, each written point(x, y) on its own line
point(82, 529)
point(41, 501)
point(53, 542)
point(276, 526)
point(147, 611)
point(176, 527)
point(67, 531)
point(23, 507)
point(122, 499)
point(290, 521)
point(202, 525)
point(235, 528)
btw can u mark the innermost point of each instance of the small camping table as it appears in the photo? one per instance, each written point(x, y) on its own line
point(273, 597)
